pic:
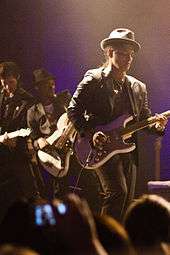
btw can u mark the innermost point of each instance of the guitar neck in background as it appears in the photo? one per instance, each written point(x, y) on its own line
point(10, 135)
point(20, 132)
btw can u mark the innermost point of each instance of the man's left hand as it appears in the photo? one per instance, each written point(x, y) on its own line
point(161, 122)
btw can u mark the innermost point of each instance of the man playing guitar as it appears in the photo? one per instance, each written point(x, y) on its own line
point(104, 95)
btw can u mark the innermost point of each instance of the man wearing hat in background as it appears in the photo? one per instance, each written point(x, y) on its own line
point(43, 116)
point(103, 95)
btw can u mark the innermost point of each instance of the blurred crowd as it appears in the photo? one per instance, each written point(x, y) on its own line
point(68, 226)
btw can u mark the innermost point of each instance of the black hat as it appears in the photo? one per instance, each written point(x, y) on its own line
point(120, 35)
point(40, 75)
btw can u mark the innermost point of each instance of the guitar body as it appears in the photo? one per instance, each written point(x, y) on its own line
point(91, 157)
point(55, 157)
point(55, 161)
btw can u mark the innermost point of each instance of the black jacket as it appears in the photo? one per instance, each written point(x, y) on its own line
point(13, 111)
point(95, 99)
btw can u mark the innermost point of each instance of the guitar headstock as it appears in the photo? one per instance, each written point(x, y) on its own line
point(167, 113)
point(25, 132)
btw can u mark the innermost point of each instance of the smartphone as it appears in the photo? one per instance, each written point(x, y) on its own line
point(44, 215)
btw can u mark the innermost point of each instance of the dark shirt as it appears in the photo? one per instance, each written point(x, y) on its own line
point(119, 99)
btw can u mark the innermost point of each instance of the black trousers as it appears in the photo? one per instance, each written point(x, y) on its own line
point(117, 179)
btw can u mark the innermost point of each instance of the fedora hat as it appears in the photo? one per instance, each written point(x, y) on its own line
point(122, 35)
point(40, 75)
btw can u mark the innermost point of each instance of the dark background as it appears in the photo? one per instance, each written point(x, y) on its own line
point(64, 36)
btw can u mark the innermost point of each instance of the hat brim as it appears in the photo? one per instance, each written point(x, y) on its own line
point(110, 41)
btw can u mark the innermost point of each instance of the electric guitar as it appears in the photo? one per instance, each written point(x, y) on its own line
point(21, 132)
point(116, 133)
point(55, 156)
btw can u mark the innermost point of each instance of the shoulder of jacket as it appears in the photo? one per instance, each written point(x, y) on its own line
point(65, 94)
point(22, 94)
point(94, 73)
point(135, 81)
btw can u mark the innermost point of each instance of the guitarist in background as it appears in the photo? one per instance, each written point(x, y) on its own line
point(15, 169)
point(103, 95)
point(43, 116)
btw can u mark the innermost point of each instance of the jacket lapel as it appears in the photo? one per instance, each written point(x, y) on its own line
point(131, 83)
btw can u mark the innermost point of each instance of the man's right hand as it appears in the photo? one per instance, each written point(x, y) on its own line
point(42, 142)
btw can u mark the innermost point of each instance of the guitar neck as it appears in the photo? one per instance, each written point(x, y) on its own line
point(21, 132)
point(142, 124)
point(70, 129)
point(10, 135)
